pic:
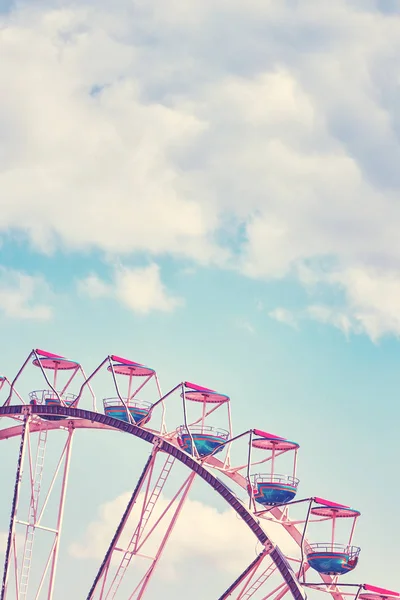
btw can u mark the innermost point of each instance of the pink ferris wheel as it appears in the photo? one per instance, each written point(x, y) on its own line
point(190, 427)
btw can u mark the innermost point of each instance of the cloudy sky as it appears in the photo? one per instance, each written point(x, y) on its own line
point(212, 188)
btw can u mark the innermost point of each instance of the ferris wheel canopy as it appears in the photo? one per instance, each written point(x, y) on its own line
point(332, 510)
point(124, 366)
point(48, 360)
point(269, 441)
point(381, 596)
point(377, 593)
point(197, 393)
point(379, 590)
point(274, 444)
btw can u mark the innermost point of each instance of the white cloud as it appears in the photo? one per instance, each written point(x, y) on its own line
point(140, 289)
point(337, 318)
point(114, 138)
point(246, 326)
point(225, 542)
point(3, 541)
point(81, 169)
point(94, 287)
point(372, 300)
point(370, 303)
point(19, 538)
point(21, 294)
point(282, 315)
point(215, 538)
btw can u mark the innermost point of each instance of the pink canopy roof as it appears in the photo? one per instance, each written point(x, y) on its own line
point(333, 510)
point(379, 590)
point(198, 393)
point(269, 441)
point(377, 593)
point(51, 361)
point(124, 366)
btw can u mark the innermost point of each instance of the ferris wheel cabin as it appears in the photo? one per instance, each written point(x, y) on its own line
point(129, 408)
point(198, 438)
point(331, 558)
point(56, 364)
point(274, 488)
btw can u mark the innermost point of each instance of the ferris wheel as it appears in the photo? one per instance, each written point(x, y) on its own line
point(254, 472)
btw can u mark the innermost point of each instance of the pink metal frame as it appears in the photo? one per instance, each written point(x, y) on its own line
point(18, 565)
point(30, 467)
point(147, 492)
point(39, 356)
point(111, 362)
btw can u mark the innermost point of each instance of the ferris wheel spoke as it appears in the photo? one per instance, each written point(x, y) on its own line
point(11, 544)
point(55, 551)
point(102, 574)
point(245, 577)
point(182, 494)
point(254, 579)
point(254, 585)
point(145, 497)
point(28, 497)
point(280, 591)
point(35, 479)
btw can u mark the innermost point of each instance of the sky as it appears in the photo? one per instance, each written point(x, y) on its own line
point(211, 188)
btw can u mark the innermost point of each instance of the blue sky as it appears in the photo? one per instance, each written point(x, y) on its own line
point(212, 189)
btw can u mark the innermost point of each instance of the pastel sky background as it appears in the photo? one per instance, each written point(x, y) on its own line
point(212, 188)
